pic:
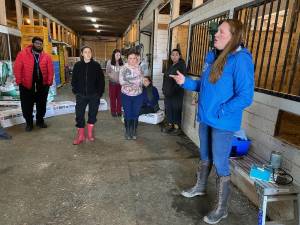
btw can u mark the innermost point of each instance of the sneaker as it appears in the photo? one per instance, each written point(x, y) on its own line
point(168, 129)
point(176, 132)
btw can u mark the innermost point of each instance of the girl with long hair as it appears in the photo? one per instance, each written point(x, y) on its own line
point(225, 89)
point(112, 70)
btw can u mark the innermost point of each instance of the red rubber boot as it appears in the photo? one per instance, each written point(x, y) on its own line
point(90, 128)
point(80, 137)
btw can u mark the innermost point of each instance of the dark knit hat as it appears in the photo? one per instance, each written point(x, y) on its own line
point(37, 39)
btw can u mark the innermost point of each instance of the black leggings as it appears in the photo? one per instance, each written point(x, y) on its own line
point(93, 102)
point(173, 108)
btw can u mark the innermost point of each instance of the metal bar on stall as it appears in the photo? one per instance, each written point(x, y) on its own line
point(9, 49)
point(198, 49)
point(249, 26)
point(272, 43)
point(203, 49)
point(254, 30)
point(191, 51)
point(259, 37)
point(288, 47)
point(279, 47)
point(295, 64)
point(265, 44)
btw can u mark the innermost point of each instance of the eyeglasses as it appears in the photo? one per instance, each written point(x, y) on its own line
point(38, 43)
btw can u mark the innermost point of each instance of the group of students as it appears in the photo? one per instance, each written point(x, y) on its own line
point(128, 88)
point(225, 87)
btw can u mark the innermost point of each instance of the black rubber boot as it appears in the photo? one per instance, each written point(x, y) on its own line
point(127, 129)
point(134, 129)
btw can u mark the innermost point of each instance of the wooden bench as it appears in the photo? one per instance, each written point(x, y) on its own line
point(268, 192)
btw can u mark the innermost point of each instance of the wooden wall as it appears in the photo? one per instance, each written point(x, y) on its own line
point(180, 35)
point(101, 49)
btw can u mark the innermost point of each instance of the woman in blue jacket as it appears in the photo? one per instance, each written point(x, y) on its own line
point(225, 89)
point(150, 97)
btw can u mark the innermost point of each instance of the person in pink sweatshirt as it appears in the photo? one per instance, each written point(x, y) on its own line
point(131, 81)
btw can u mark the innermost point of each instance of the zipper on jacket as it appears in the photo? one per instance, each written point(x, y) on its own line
point(86, 72)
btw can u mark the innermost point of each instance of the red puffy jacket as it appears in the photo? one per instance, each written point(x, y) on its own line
point(24, 65)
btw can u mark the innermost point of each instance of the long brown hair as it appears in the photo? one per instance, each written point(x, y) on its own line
point(236, 30)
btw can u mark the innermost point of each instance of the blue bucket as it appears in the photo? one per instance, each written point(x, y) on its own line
point(239, 147)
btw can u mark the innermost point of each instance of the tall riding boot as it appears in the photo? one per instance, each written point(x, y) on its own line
point(204, 169)
point(127, 129)
point(90, 132)
point(80, 137)
point(223, 194)
point(134, 129)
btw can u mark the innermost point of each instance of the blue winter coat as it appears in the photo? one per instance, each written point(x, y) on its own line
point(221, 104)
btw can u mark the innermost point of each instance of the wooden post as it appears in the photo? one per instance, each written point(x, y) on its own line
point(59, 32)
point(31, 16)
point(175, 9)
point(41, 19)
point(3, 20)
point(48, 25)
point(54, 35)
point(174, 37)
point(197, 3)
point(19, 13)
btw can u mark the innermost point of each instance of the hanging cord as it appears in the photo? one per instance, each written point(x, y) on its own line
point(283, 177)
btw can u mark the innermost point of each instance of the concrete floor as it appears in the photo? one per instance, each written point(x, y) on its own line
point(45, 180)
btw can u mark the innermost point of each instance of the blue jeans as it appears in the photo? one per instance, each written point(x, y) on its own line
point(132, 106)
point(215, 146)
point(2, 131)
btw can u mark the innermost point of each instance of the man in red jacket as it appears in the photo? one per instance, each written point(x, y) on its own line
point(33, 70)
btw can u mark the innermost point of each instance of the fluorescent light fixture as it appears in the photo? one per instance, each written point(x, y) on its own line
point(96, 25)
point(88, 9)
point(93, 20)
point(98, 31)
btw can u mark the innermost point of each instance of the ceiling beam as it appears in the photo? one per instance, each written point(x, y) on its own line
point(38, 9)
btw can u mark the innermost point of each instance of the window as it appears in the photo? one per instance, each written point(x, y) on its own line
point(180, 36)
point(25, 12)
point(15, 46)
point(4, 54)
point(36, 20)
point(11, 14)
point(272, 31)
point(288, 127)
point(185, 6)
